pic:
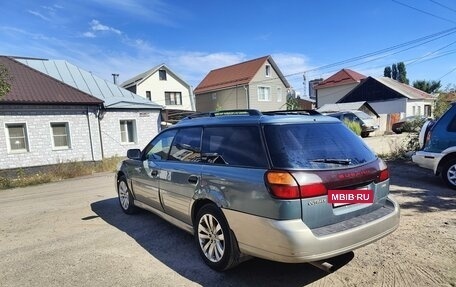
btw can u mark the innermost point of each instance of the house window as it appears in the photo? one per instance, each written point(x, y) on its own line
point(173, 98)
point(60, 135)
point(127, 131)
point(264, 94)
point(162, 75)
point(279, 94)
point(17, 137)
point(148, 95)
point(419, 110)
point(268, 70)
point(413, 111)
point(427, 110)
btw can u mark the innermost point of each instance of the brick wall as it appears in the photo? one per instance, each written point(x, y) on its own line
point(83, 128)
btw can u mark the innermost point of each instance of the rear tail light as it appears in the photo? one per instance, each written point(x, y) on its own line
point(311, 190)
point(383, 175)
point(283, 185)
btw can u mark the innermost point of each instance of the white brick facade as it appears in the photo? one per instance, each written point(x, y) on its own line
point(83, 134)
point(90, 139)
point(147, 123)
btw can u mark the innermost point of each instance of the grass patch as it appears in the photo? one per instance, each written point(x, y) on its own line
point(37, 175)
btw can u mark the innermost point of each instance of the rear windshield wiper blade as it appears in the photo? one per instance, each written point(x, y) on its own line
point(333, 160)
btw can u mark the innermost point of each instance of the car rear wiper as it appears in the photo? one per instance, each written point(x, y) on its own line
point(341, 161)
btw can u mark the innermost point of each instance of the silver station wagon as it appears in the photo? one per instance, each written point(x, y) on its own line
point(247, 183)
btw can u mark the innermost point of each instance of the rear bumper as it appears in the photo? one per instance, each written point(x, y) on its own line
point(292, 241)
point(427, 160)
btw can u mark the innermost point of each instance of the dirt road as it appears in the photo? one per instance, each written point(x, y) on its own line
point(73, 233)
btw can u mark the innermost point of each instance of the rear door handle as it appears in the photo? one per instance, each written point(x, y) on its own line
point(193, 179)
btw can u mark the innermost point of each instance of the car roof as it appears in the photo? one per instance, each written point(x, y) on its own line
point(254, 117)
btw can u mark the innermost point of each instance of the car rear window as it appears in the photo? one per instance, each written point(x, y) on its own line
point(315, 146)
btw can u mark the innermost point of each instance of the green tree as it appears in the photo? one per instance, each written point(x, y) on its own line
point(387, 72)
point(5, 86)
point(443, 102)
point(402, 73)
point(427, 86)
point(394, 72)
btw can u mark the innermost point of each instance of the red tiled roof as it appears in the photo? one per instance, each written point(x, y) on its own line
point(238, 74)
point(343, 77)
point(29, 86)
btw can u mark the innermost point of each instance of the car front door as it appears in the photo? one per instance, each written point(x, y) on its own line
point(180, 175)
point(146, 175)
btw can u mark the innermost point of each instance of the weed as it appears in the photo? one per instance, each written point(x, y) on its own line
point(30, 176)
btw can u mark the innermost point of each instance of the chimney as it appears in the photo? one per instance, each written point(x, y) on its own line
point(114, 77)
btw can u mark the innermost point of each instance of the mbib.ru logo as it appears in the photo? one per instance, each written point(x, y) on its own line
point(350, 196)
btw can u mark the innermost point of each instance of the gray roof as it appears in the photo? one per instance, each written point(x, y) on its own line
point(328, 108)
point(143, 76)
point(404, 89)
point(114, 97)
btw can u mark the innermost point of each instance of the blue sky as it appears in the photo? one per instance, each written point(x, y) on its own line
point(129, 37)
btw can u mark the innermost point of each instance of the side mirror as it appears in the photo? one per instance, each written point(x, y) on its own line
point(134, 154)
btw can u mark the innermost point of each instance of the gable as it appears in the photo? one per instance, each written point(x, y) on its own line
point(383, 89)
point(141, 78)
point(343, 77)
point(236, 75)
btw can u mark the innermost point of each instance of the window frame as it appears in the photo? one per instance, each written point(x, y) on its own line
point(168, 101)
point(67, 134)
point(162, 75)
point(148, 95)
point(8, 137)
point(268, 99)
point(135, 132)
point(267, 71)
point(279, 95)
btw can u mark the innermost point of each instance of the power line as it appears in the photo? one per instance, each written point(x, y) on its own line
point(444, 6)
point(425, 12)
point(429, 54)
point(454, 69)
point(418, 42)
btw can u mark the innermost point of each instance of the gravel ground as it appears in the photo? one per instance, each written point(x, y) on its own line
point(73, 233)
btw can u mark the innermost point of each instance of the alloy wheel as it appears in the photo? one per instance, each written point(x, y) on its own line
point(211, 238)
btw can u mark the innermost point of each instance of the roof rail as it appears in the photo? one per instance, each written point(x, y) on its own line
point(292, 112)
point(249, 112)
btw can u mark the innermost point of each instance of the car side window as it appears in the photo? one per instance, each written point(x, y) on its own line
point(238, 146)
point(452, 125)
point(159, 147)
point(187, 145)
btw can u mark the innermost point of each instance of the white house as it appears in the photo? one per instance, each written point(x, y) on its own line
point(336, 86)
point(391, 99)
point(164, 87)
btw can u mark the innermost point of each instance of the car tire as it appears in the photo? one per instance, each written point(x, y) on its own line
point(126, 199)
point(215, 241)
point(364, 134)
point(449, 173)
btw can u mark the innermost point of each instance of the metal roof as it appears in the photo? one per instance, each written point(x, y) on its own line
point(343, 77)
point(112, 95)
point(404, 89)
point(29, 86)
point(328, 108)
point(137, 80)
point(235, 75)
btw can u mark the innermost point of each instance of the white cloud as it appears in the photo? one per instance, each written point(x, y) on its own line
point(89, 34)
point(39, 15)
point(96, 27)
